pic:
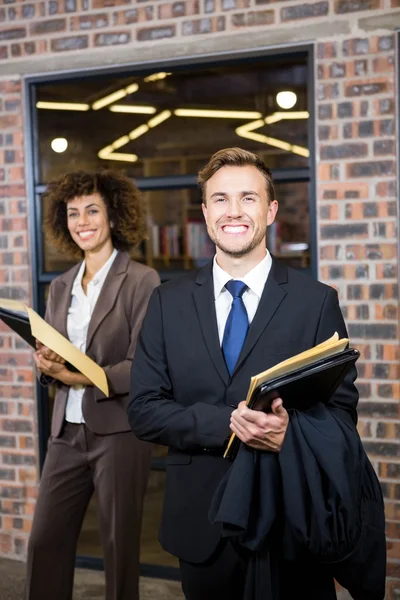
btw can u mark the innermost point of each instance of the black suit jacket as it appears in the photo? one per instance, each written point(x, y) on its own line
point(183, 395)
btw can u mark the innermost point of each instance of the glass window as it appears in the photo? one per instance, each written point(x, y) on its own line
point(163, 124)
point(288, 238)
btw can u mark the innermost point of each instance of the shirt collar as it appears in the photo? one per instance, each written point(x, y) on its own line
point(101, 274)
point(254, 279)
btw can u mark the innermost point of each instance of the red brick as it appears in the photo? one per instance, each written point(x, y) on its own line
point(133, 15)
point(349, 6)
point(97, 21)
point(178, 9)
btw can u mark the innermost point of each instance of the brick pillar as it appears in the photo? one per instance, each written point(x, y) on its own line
point(357, 229)
point(18, 460)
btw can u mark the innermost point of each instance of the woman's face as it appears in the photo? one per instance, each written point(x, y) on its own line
point(88, 222)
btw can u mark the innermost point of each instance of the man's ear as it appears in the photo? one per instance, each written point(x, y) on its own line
point(272, 210)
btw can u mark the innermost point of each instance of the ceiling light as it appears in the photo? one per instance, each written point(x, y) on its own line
point(217, 114)
point(156, 76)
point(162, 116)
point(286, 99)
point(107, 153)
point(291, 115)
point(115, 96)
point(128, 108)
point(131, 89)
point(62, 105)
point(59, 145)
point(122, 157)
point(120, 142)
point(246, 131)
point(135, 133)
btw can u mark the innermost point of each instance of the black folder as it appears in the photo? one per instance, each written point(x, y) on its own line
point(302, 388)
point(18, 323)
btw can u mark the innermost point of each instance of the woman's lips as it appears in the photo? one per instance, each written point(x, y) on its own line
point(86, 235)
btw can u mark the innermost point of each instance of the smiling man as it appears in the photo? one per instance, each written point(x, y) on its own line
point(205, 334)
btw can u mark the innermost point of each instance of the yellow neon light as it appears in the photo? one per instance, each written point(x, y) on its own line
point(134, 109)
point(122, 157)
point(156, 76)
point(108, 153)
point(62, 105)
point(247, 132)
point(130, 89)
point(120, 142)
point(217, 114)
point(293, 115)
point(160, 118)
point(135, 133)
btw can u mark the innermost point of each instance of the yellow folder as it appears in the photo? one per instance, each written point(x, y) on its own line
point(47, 335)
point(332, 346)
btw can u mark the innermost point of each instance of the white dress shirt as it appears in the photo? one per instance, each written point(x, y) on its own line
point(79, 315)
point(255, 281)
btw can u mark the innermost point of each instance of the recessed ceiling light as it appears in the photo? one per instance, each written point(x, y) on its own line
point(59, 145)
point(286, 99)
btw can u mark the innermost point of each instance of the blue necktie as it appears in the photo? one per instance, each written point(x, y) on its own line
point(236, 326)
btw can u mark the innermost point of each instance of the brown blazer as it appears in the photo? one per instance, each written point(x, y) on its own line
point(111, 340)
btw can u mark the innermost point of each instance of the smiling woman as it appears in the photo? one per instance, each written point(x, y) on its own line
point(98, 305)
point(111, 197)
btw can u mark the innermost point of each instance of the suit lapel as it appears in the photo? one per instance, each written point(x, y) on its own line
point(62, 300)
point(271, 298)
point(108, 294)
point(203, 297)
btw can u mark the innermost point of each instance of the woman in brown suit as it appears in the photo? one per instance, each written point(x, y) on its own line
point(99, 305)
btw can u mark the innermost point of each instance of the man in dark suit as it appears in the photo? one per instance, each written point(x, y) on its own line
point(204, 336)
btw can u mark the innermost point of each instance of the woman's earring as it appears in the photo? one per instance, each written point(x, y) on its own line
point(111, 225)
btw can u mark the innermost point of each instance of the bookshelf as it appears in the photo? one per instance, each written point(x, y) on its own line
point(177, 235)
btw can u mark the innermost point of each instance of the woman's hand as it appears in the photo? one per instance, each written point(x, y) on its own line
point(48, 354)
point(50, 368)
point(59, 371)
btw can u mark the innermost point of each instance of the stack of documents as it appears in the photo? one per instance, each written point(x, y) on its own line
point(301, 381)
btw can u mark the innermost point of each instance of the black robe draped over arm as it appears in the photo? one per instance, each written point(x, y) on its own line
point(315, 508)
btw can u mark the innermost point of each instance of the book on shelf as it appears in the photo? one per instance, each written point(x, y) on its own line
point(166, 240)
point(198, 243)
point(302, 381)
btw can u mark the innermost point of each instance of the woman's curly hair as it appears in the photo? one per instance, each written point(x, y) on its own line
point(125, 208)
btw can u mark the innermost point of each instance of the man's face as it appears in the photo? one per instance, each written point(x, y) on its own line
point(237, 211)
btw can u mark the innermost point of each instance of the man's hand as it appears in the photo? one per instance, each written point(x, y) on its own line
point(49, 354)
point(259, 430)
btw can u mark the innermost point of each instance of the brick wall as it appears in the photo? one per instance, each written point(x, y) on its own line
point(18, 457)
point(358, 222)
point(58, 26)
point(356, 61)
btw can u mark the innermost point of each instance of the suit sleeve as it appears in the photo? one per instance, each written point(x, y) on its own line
point(344, 401)
point(153, 413)
point(118, 375)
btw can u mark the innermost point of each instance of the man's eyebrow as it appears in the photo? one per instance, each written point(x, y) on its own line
point(218, 194)
point(249, 193)
point(244, 193)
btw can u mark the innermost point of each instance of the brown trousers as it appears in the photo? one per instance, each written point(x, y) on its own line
point(79, 463)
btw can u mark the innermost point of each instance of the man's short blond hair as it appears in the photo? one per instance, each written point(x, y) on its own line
point(235, 157)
